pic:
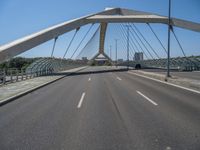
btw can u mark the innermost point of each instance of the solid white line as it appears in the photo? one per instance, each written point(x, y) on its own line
point(81, 100)
point(89, 79)
point(178, 86)
point(119, 78)
point(147, 98)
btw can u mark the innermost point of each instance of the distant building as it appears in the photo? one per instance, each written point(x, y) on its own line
point(84, 58)
point(138, 56)
point(120, 60)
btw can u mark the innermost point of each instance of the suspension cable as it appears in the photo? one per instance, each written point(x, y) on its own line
point(181, 47)
point(162, 45)
point(71, 42)
point(82, 40)
point(133, 43)
point(88, 43)
point(146, 40)
point(138, 45)
point(141, 42)
point(54, 44)
point(124, 37)
point(123, 49)
point(157, 38)
point(179, 43)
point(116, 28)
point(156, 60)
point(123, 45)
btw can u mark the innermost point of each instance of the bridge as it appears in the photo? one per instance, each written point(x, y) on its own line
point(129, 95)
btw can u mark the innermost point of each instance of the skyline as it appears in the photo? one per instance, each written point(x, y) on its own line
point(40, 15)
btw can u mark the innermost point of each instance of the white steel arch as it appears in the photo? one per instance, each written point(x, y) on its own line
point(112, 15)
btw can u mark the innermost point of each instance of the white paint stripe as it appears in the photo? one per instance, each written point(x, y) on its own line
point(119, 78)
point(81, 100)
point(89, 79)
point(178, 86)
point(147, 98)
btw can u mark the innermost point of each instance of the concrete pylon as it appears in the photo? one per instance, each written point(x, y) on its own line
point(103, 27)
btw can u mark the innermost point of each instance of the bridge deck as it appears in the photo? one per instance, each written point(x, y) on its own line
point(108, 110)
point(13, 89)
point(194, 75)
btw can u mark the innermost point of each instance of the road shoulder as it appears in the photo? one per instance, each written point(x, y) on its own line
point(187, 84)
point(13, 91)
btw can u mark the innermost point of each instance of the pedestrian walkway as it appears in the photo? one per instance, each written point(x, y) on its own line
point(17, 88)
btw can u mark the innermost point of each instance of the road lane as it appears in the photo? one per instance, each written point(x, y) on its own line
point(112, 115)
point(151, 101)
point(168, 83)
point(178, 111)
point(99, 125)
point(42, 119)
point(81, 100)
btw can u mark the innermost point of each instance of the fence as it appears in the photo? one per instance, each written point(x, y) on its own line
point(15, 75)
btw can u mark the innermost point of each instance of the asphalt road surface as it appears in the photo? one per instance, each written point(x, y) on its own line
point(195, 75)
point(102, 111)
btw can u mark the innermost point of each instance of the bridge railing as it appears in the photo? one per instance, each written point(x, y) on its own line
point(181, 63)
point(40, 67)
point(14, 75)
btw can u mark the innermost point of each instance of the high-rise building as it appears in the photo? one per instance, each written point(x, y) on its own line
point(84, 58)
point(138, 56)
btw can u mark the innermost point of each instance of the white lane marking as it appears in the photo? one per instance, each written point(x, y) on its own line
point(178, 86)
point(89, 79)
point(119, 78)
point(81, 100)
point(147, 98)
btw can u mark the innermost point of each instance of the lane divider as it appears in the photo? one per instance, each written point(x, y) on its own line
point(151, 101)
point(118, 78)
point(15, 97)
point(81, 100)
point(178, 86)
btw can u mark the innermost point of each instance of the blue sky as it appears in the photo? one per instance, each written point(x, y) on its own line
point(19, 18)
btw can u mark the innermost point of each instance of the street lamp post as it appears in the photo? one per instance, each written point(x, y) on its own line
point(168, 45)
point(116, 51)
point(128, 45)
point(110, 52)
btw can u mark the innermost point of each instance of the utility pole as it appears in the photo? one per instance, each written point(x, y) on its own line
point(110, 52)
point(168, 45)
point(116, 52)
point(128, 28)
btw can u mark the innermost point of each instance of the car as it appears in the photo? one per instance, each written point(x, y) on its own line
point(138, 66)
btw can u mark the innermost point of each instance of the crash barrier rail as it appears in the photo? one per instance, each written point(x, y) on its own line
point(40, 67)
point(180, 63)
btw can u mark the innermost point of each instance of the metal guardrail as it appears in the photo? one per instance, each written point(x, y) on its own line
point(181, 63)
point(40, 67)
point(15, 75)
